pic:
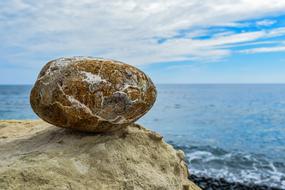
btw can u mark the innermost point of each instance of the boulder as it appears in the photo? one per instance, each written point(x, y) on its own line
point(91, 94)
point(37, 155)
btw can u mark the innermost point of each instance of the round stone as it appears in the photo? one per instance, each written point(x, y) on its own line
point(91, 94)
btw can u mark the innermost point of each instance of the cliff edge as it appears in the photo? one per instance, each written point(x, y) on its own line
point(37, 155)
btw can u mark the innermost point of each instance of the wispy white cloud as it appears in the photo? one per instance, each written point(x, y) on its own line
point(128, 30)
point(265, 22)
point(264, 50)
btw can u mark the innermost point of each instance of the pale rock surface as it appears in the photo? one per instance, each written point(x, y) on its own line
point(36, 155)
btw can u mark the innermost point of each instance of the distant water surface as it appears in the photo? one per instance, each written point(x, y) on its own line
point(232, 131)
point(14, 102)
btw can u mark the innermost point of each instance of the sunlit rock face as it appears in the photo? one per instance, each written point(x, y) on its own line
point(35, 155)
point(91, 94)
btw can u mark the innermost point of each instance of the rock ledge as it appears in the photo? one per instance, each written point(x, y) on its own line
point(37, 155)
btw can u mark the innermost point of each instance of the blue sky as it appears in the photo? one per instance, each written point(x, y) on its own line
point(181, 41)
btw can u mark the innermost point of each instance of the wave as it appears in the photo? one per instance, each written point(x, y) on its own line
point(236, 166)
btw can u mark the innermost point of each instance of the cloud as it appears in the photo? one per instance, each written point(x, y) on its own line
point(34, 31)
point(265, 22)
point(264, 50)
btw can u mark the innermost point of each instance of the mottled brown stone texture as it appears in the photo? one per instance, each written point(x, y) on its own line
point(91, 94)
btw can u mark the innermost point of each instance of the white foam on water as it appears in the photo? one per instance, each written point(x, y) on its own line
point(236, 167)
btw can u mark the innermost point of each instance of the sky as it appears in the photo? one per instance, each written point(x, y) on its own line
point(173, 41)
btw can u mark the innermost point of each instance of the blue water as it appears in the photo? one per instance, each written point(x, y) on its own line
point(232, 131)
point(14, 102)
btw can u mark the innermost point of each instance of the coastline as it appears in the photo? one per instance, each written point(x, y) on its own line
point(222, 184)
point(32, 126)
point(212, 183)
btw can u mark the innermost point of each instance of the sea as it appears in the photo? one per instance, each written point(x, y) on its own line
point(230, 131)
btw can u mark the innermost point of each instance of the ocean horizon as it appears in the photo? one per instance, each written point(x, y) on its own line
point(230, 131)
